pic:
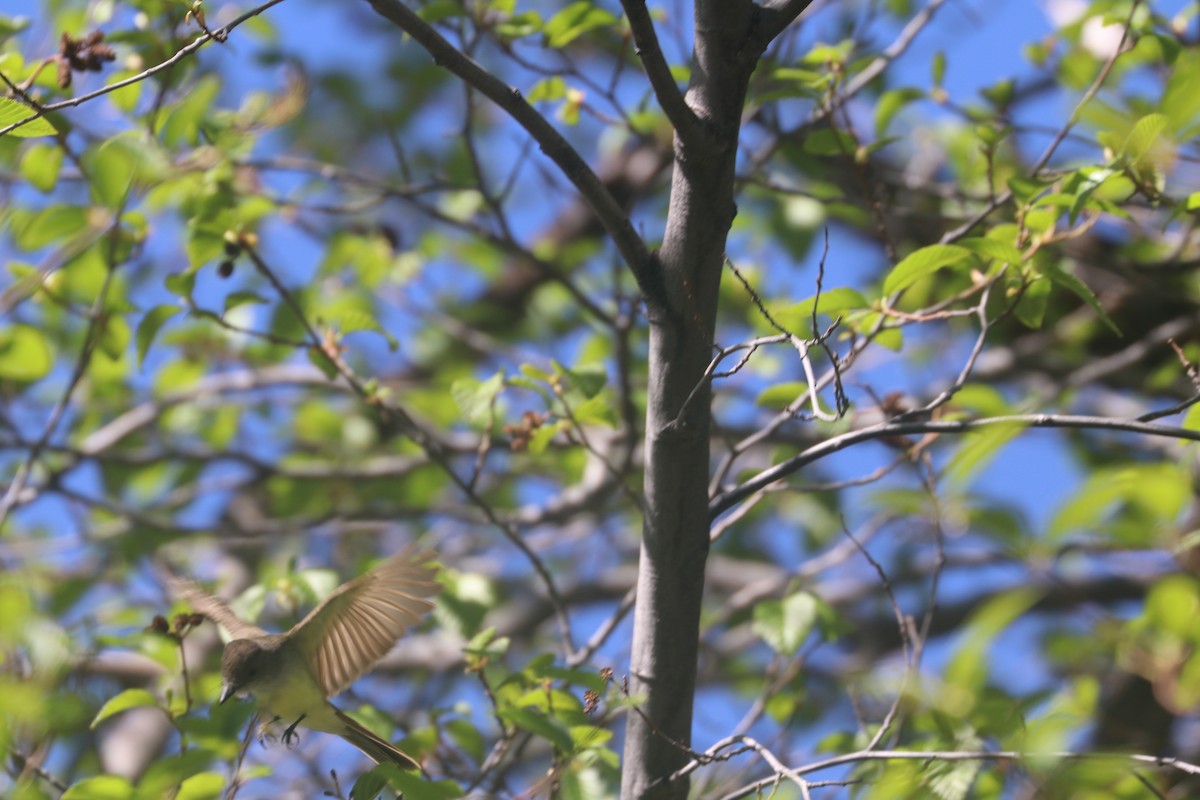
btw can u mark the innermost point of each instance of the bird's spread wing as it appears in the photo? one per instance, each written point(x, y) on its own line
point(211, 607)
point(355, 626)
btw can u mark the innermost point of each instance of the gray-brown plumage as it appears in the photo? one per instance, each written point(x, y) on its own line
point(293, 674)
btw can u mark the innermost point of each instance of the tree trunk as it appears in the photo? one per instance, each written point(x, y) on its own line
point(676, 526)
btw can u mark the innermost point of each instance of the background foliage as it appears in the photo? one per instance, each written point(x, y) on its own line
point(294, 295)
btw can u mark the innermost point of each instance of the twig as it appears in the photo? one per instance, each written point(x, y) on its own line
point(685, 122)
point(951, 755)
point(180, 54)
point(884, 430)
point(633, 249)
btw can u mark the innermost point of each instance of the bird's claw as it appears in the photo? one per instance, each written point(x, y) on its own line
point(290, 737)
point(264, 732)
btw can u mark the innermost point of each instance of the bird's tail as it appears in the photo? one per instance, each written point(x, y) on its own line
point(376, 747)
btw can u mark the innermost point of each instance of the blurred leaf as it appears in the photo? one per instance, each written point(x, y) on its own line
point(541, 725)
point(41, 164)
point(977, 451)
point(921, 264)
point(205, 786)
point(13, 111)
point(475, 398)
point(588, 379)
point(101, 787)
point(130, 698)
point(151, 324)
point(785, 624)
point(968, 667)
point(25, 354)
point(1069, 281)
point(575, 20)
point(891, 102)
point(236, 299)
point(831, 303)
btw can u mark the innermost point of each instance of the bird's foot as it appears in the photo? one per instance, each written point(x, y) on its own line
point(290, 737)
point(264, 732)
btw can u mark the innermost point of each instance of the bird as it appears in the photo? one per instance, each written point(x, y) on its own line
point(292, 675)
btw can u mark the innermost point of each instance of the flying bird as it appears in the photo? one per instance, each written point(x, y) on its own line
point(292, 675)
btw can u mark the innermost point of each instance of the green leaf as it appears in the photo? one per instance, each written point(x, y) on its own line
point(1191, 420)
point(779, 396)
point(518, 25)
point(235, 299)
point(101, 787)
point(25, 354)
point(468, 737)
point(547, 89)
point(1065, 279)
point(539, 724)
point(130, 698)
point(151, 324)
point(798, 318)
point(1031, 308)
point(412, 786)
point(890, 103)
point(475, 399)
point(12, 111)
point(1144, 496)
point(180, 283)
point(371, 783)
point(322, 362)
point(438, 10)
point(575, 20)
point(34, 231)
point(992, 248)
point(785, 624)
point(938, 68)
point(205, 786)
point(1181, 98)
point(830, 142)
point(168, 772)
point(921, 264)
point(1145, 133)
point(589, 379)
point(349, 319)
point(969, 665)
point(977, 450)
point(114, 337)
point(110, 168)
point(542, 437)
point(40, 166)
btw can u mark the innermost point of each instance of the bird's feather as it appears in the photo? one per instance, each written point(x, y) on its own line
point(355, 626)
point(216, 610)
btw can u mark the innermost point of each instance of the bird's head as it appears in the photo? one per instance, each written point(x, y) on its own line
point(242, 665)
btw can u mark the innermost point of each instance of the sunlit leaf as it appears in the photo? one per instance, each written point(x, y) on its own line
point(785, 624)
point(575, 20)
point(921, 264)
point(25, 354)
point(130, 698)
point(12, 111)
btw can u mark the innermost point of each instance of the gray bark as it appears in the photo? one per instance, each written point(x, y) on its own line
point(676, 525)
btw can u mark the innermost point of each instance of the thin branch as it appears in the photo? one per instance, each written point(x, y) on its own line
point(780, 14)
point(685, 122)
point(616, 222)
point(430, 446)
point(884, 430)
point(182, 53)
point(97, 321)
point(1048, 153)
point(944, 755)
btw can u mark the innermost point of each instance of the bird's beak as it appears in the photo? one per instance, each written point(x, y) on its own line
point(227, 691)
